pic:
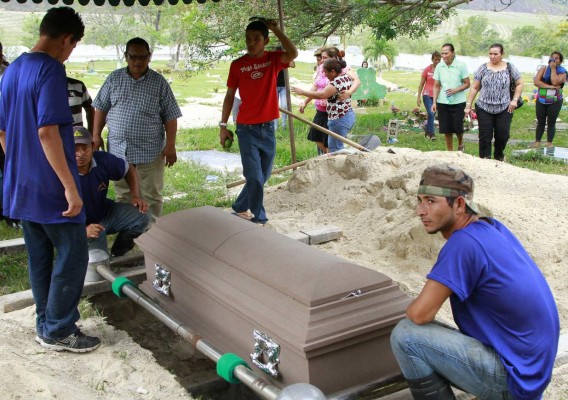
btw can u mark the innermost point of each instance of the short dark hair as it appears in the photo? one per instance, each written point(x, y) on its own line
point(436, 54)
point(62, 21)
point(333, 64)
point(451, 46)
point(499, 46)
point(258, 26)
point(137, 41)
point(559, 54)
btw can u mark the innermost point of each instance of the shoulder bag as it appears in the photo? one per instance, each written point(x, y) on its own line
point(513, 86)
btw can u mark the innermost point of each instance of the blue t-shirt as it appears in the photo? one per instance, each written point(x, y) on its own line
point(94, 185)
point(34, 95)
point(501, 298)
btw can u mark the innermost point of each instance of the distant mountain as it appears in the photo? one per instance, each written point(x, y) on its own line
point(551, 7)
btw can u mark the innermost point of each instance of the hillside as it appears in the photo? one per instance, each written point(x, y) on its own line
point(503, 22)
point(552, 7)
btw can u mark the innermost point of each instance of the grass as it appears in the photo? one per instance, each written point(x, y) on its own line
point(187, 185)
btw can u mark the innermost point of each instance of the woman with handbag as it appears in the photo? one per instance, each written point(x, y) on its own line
point(549, 80)
point(500, 86)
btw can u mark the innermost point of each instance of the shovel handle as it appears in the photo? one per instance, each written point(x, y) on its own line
point(327, 131)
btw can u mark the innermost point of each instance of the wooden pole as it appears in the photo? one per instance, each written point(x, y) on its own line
point(288, 97)
point(275, 171)
point(327, 131)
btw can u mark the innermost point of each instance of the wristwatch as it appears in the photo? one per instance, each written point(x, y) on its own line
point(221, 123)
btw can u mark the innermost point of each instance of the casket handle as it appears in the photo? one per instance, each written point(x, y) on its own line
point(265, 349)
point(162, 280)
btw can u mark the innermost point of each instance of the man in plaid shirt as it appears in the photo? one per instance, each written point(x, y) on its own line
point(141, 112)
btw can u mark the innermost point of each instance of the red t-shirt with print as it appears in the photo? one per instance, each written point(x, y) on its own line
point(256, 80)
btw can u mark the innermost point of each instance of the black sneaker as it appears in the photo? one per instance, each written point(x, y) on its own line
point(77, 342)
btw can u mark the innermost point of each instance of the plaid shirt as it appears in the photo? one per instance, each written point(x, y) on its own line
point(137, 110)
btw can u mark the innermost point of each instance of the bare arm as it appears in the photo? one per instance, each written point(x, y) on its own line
point(472, 93)
point(437, 87)
point(556, 82)
point(90, 113)
point(424, 308)
point(328, 91)
point(99, 122)
point(3, 140)
point(53, 148)
point(290, 51)
point(555, 78)
point(464, 86)
point(420, 88)
point(517, 95)
point(227, 107)
point(134, 186)
point(307, 100)
point(170, 150)
point(354, 86)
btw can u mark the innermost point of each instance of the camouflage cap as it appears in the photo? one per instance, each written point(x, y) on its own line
point(447, 181)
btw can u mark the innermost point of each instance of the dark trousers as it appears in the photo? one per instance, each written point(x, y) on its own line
point(546, 114)
point(491, 126)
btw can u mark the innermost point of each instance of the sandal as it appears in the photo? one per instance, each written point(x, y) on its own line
point(461, 148)
point(243, 214)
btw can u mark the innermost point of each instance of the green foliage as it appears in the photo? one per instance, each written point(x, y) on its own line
point(475, 37)
point(13, 272)
point(30, 30)
point(535, 42)
point(413, 20)
point(379, 49)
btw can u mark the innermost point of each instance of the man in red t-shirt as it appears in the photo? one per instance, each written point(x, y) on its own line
point(254, 75)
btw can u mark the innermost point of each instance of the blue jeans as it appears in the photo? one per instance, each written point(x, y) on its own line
point(121, 218)
point(282, 103)
point(56, 287)
point(428, 101)
point(257, 144)
point(475, 368)
point(341, 126)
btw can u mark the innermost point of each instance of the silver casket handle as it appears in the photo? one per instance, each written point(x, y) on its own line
point(265, 349)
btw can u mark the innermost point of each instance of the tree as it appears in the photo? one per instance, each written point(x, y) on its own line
point(474, 37)
point(378, 50)
point(31, 30)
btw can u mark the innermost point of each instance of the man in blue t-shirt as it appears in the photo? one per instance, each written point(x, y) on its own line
point(507, 318)
point(104, 216)
point(41, 181)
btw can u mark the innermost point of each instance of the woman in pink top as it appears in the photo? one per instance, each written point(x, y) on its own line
point(320, 82)
point(426, 93)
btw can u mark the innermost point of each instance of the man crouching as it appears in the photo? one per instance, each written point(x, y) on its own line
point(104, 216)
point(507, 318)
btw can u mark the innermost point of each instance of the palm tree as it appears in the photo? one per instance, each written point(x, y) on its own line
point(378, 50)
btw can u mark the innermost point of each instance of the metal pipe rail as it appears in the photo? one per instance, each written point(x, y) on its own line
point(245, 375)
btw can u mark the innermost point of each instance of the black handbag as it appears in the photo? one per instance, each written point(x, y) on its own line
point(512, 87)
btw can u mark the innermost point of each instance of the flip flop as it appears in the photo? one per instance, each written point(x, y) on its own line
point(243, 214)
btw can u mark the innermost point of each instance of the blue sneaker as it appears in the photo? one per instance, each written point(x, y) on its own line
point(77, 342)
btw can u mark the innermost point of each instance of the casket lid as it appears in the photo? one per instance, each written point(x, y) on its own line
point(306, 274)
